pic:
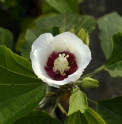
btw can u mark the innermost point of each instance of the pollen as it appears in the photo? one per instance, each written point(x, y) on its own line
point(61, 64)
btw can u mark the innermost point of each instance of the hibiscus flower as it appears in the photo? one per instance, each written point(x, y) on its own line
point(59, 60)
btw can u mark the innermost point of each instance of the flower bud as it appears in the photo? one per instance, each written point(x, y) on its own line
point(84, 36)
point(89, 83)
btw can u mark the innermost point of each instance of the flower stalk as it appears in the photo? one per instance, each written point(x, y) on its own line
point(92, 101)
point(62, 109)
point(101, 68)
point(55, 106)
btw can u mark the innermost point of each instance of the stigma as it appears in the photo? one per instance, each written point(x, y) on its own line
point(61, 64)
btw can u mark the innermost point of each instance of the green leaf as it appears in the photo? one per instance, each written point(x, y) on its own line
point(89, 117)
point(2, 1)
point(109, 25)
point(111, 110)
point(21, 38)
point(64, 5)
point(20, 41)
point(6, 38)
point(71, 29)
point(66, 21)
point(93, 117)
point(20, 89)
point(80, 1)
point(89, 83)
point(46, 8)
point(77, 101)
point(38, 117)
point(114, 63)
point(31, 36)
point(84, 36)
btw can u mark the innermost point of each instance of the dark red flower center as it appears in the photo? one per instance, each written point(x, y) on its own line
point(60, 65)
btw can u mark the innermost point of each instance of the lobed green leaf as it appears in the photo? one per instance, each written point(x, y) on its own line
point(66, 21)
point(6, 38)
point(111, 110)
point(89, 117)
point(77, 101)
point(114, 63)
point(108, 26)
point(64, 5)
point(20, 89)
point(38, 117)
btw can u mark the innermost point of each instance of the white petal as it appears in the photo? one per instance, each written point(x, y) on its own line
point(39, 54)
point(66, 41)
point(42, 41)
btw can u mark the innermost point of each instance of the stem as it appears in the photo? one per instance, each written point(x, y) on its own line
point(92, 101)
point(101, 68)
point(57, 101)
point(62, 109)
point(50, 93)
